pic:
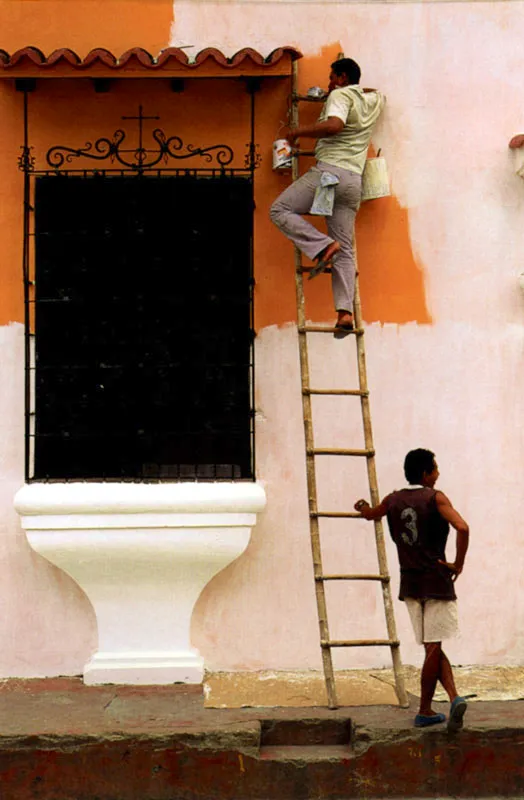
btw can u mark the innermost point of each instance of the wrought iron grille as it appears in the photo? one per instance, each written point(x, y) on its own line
point(142, 319)
point(139, 309)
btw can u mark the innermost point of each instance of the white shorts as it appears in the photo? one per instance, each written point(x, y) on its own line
point(433, 620)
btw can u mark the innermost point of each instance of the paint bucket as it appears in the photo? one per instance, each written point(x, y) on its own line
point(316, 93)
point(375, 179)
point(281, 154)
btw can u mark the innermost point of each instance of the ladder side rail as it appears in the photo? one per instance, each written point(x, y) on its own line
point(375, 499)
point(320, 595)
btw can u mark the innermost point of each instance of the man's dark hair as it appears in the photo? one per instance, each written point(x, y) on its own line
point(416, 463)
point(347, 67)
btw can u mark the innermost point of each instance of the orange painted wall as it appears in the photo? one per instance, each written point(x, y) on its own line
point(50, 24)
point(70, 112)
point(11, 199)
point(391, 279)
point(85, 24)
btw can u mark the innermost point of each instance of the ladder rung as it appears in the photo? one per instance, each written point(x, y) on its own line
point(336, 514)
point(310, 99)
point(352, 392)
point(383, 578)
point(333, 451)
point(302, 270)
point(322, 329)
point(360, 643)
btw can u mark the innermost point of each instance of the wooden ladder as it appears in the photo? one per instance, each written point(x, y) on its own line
point(326, 643)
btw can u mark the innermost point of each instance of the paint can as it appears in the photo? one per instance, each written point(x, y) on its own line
point(375, 179)
point(316, 92)
point(281, 154)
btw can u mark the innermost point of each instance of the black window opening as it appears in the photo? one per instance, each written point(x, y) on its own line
point(143, 328)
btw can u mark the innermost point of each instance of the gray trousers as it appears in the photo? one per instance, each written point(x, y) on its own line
point(297, 199)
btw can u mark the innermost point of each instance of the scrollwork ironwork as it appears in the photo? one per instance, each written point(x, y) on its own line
point(252, 158)
point(139, 158)
point(26, 160)
point(103, 148)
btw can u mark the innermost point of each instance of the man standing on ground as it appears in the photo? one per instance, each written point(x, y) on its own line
point(419, 517)
point(343, 131)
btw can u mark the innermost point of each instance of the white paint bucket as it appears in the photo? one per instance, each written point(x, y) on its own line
point(375, 179)
point(281, 154)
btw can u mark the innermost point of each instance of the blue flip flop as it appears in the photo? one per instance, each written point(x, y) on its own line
point(425, 720)
point(456, 714)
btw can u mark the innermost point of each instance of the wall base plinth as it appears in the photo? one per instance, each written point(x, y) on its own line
point(144, 668)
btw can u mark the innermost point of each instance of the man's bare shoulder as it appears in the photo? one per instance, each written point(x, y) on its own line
point(440, 497)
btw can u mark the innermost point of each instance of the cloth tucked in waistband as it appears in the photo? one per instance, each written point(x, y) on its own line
point(324, 199)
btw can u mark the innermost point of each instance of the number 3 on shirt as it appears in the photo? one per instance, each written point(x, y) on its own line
point(409, 517)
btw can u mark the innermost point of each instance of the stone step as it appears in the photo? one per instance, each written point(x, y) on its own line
point(306, 731)
point(302, 754)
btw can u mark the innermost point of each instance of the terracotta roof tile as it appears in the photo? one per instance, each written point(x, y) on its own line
point(137, 56)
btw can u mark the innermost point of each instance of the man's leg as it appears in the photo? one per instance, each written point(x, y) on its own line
point(429, 676)
point(458, 704)
point(441, 621)
point(430, 669)
point(436, 668)
point(341, 227)
point(286, 214)
point(446, 677)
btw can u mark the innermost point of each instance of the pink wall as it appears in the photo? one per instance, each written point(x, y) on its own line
point(453, 75)
point(47, 626)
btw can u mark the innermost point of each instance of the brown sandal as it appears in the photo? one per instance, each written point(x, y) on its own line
point(342, 329)
point(325, 258)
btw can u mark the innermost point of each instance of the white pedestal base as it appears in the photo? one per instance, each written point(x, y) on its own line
point(142, 553)
point(144, 668)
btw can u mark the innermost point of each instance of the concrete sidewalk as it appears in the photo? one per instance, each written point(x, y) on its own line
point(61, 740)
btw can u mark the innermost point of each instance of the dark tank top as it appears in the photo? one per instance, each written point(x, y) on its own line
point(420, 534)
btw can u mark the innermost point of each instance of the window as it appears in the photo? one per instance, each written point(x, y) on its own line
point(143, 327)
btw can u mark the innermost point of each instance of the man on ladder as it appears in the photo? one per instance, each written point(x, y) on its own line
point(343, 131)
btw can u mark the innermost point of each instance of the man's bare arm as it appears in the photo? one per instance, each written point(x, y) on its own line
point(371, 512)
point(330, 127)
point(452, 516)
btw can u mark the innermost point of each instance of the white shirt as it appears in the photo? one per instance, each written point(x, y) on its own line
point(359, 112)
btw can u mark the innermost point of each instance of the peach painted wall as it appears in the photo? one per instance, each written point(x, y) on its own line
point(445, 337)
